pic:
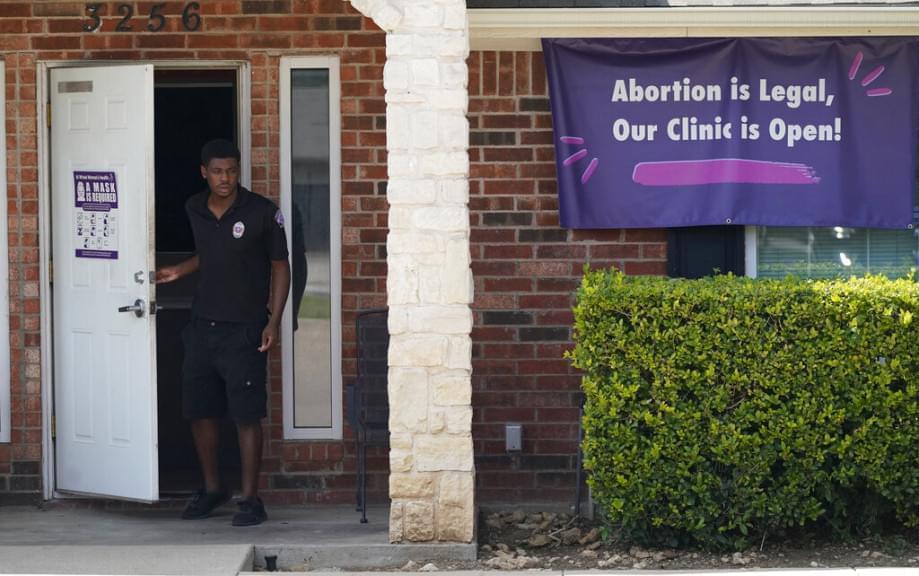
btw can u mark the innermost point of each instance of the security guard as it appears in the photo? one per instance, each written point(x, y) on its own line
point(243, 274)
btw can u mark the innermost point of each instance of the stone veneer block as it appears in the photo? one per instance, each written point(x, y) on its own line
point(442, 452)
point(451, 389)
point(418, 521)
point(455, 488)
point(455, 523)
point(411, 486)
point(396, 513)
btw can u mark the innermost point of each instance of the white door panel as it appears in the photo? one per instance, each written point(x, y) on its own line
point(104, 360)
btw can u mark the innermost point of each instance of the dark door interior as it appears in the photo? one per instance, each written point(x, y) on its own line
point(705, 250)
point(190, 108)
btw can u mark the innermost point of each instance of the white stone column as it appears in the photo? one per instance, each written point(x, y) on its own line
point(429, 280)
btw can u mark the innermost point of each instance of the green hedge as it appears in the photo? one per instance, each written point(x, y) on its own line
point(724, 409)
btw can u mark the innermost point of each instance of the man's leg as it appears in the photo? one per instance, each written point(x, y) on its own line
point(206, 432)
point(250, 453)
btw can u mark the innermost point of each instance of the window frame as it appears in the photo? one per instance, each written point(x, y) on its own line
point(5, 377)
point(332, 64)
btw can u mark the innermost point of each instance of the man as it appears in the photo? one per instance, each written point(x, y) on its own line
point(244, 277)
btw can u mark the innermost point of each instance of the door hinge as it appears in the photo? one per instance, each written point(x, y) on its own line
point(50, 271)
point(53, 427)
point(48, 114)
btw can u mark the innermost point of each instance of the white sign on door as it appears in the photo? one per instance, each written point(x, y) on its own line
point(96, 215)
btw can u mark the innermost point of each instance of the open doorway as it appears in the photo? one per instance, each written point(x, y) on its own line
point(191, 106)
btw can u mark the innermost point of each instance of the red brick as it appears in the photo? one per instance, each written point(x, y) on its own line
point(58, 9)
point(543, 269)
point(614, 251)
point(536, 138)
point(537, 171)
point(646, 268)
point(560, 284)
point(492, 235)
point(365, 40)
point(173, 41)
point(56, 43)
point(506, 73)
point(486, 268)
point(545, 301)
point(508, 155)
point(598, 235)
point(509, 414)
point(489, 73)
point(507, 121)
point(641, 235)
point(654, 251)
point(15, 9)
point(492, 171)
point(475, 73)
point(12, 26)
point(539, 85)
point(522, 73)
point(504, 252)
point(508, 284)
point(267, 24)
point(214, 40)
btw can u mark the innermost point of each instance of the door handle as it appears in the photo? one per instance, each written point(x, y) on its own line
point(138, 308)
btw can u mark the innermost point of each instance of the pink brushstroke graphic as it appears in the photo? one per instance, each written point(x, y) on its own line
point(869, 77)
point(591, 168)
point(856, 63)
point(722, 171)
point(873, 75)
point(574, 157)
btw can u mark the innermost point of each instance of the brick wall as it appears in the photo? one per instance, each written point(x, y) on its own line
point(526, 270)
point(257, 31)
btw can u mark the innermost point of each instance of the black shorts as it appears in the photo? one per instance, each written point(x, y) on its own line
point(223, 372)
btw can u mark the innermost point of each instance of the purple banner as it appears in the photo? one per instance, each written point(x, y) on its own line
point(767, 131)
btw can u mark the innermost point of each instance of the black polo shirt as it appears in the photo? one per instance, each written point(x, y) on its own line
point(235, 255)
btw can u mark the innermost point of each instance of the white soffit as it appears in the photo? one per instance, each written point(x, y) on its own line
point(522, 28)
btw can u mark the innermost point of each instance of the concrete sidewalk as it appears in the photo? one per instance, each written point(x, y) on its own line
point(139, 540)
point(147, 541)
point(218, 560)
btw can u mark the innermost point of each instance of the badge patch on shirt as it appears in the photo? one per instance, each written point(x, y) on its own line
point(279, 218)
point(238, 230)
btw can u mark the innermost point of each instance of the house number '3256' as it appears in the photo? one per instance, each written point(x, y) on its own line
point(156, 20)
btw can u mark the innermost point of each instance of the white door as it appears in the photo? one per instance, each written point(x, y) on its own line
point(103, 252)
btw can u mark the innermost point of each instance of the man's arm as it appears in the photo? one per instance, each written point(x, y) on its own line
point(280, 286)
point(168, 274)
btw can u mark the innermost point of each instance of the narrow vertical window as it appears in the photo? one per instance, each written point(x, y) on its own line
point(4, 277)
point(311, 202)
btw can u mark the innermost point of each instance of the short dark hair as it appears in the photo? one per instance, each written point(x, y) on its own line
point(218, 148)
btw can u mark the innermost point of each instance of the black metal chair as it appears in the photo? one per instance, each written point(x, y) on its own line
point(368, 401)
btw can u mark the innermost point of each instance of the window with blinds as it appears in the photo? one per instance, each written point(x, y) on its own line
point(835, 252)
point(832, 252)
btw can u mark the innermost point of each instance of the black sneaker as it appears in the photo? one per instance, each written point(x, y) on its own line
point(203, 503)
point(251, 512)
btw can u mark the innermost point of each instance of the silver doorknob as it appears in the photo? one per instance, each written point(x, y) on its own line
point(138, 308)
